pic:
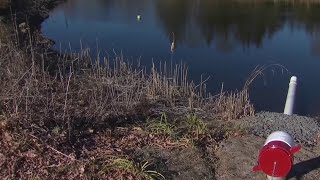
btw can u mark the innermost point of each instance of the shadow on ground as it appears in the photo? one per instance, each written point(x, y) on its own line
point(302, 168)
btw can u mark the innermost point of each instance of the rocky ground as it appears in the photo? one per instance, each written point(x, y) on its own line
point(305, 130)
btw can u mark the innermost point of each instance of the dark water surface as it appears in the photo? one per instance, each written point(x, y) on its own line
point(224, 39)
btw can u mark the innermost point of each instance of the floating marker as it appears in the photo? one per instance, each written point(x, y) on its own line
point(138, 17)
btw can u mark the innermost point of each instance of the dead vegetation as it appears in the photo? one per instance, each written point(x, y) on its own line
point(78, 117)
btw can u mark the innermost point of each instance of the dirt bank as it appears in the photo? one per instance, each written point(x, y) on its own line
point(21, 18)
point(33, 11)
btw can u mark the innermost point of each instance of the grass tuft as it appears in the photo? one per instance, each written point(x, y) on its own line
point(196, 126)
point(138, 170)
point(161, 126)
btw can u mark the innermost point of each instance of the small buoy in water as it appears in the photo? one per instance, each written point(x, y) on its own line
point(173, 47)
point(173, 44)
point(138, 17)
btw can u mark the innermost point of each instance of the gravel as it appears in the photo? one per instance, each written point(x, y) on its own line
point(304, 130)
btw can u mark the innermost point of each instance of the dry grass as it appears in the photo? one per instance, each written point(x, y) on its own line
point(82, 90)
point(99, 89)
point(4, 31)
point(56, 111)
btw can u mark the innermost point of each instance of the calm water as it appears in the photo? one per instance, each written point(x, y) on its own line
point(222, 39)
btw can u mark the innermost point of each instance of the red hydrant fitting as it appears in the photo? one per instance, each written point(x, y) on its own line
point(276, 156)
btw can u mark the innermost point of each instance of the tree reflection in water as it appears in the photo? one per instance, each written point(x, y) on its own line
point(196, 23)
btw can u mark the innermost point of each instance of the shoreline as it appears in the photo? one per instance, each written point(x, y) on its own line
point(62, 116)
point(92, 118)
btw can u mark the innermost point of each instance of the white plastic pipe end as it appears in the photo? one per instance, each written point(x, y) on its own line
point(275, 178)
point(288, 109)
point(293, 79)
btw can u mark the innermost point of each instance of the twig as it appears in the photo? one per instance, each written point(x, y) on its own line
point(16, 83)
point(53, 149)
point(65, 104)
point(66, 98)
point(59, 152)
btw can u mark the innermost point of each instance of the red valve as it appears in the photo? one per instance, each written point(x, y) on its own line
point(276, 157)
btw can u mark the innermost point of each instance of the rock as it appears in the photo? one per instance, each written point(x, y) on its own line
point(305, 130)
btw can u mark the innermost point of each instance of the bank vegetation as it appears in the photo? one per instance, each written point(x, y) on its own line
point(74, 116)
point(56, 109)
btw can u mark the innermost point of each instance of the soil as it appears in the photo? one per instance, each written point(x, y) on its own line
point(179, 164)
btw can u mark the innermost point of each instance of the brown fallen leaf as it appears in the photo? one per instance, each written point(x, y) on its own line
point(7, 137)
point(30, 154)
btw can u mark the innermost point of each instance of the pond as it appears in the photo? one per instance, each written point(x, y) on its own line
point(223, 39)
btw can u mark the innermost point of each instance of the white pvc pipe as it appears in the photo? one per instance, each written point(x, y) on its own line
point(280, 136)
point(275, 178)
point(288, 109)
